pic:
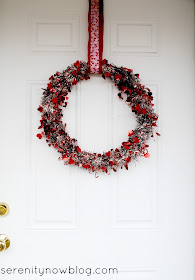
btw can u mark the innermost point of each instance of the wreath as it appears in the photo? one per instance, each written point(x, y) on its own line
point(137, 97)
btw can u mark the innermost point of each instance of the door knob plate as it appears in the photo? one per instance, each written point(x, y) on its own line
point(4, 209)
point(4, 242)
point(2, 246)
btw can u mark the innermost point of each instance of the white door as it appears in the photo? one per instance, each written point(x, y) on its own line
point(140, 221)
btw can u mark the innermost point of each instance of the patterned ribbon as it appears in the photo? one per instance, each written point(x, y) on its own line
point(95, 27)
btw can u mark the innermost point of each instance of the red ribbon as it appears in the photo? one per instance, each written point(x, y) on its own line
point(95, 28)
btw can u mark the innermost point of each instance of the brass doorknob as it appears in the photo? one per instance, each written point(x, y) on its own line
point(4, 242)
point(4, 209)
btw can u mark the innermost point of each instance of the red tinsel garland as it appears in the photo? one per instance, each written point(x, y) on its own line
point(138, 98)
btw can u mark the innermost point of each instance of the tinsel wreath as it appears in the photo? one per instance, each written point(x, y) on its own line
point(137, 97)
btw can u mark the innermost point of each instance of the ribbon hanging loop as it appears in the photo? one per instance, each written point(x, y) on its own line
point(95, 28)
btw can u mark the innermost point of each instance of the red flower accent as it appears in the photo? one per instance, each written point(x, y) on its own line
point(128, 159)
point(77, 63)
point(49, 86)
point(147, 155)
point(74, 82)
point(71, 161)
point(108, 154)
point(78, 149)
point(126, 147)
point(107, 74)
point(54, 100)
point(137, 107)
point(143, 111)
point(130, 133)
point(118, 77)
point(126, 166)
point(40, 109)
point(136, 140)
point(86, 165)
point(64, 157)
point(103, 168)
point(39, 135)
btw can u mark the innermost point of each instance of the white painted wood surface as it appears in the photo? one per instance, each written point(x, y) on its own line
point(141, 220)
